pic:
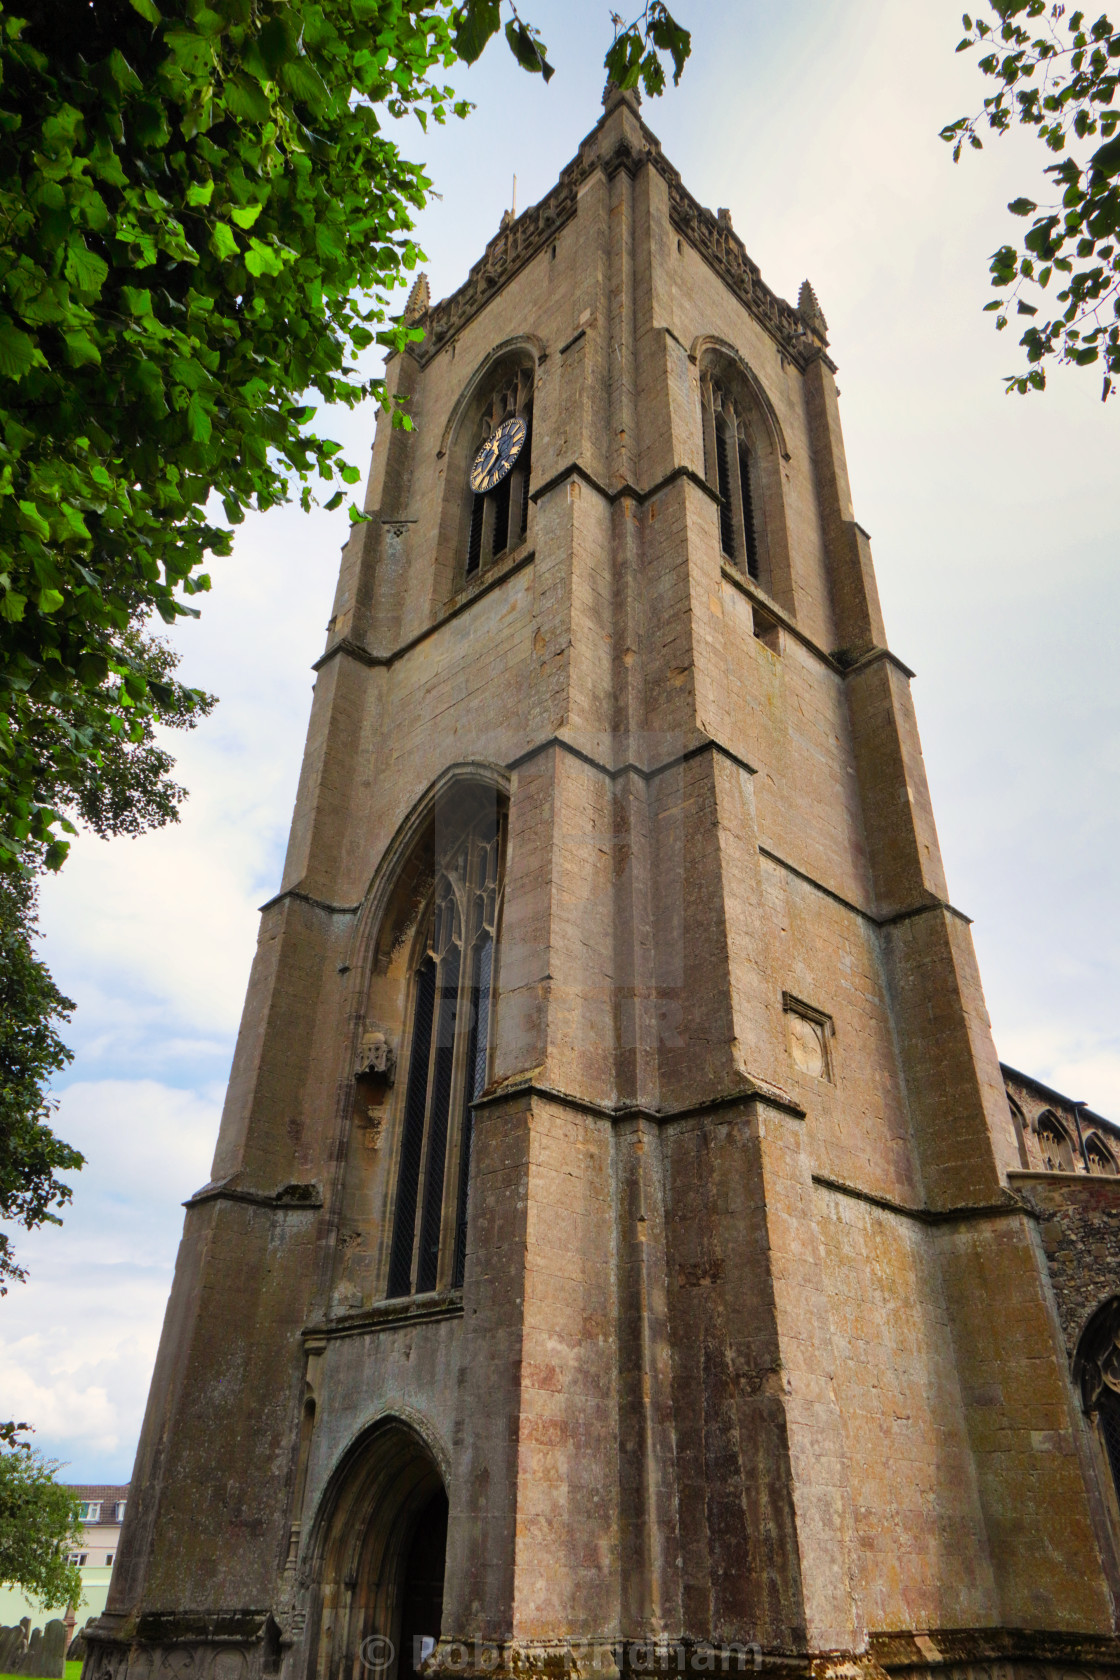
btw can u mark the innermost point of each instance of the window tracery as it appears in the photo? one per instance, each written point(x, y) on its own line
point(1054, 1144)
point(499, 518)
point(735, 472)
point(1018, 1121)
point(452, 986)
point(1096, 1370)
point(743, 454)
point(1098, 1157)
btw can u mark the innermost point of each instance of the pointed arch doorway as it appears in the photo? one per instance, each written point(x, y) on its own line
point(377, 1559)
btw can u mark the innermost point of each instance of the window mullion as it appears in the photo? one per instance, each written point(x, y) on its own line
point(413, 1131)
point(474, 538)
point(488, 512)
point(474, 1082)
point(443, 1069)
point(742, 551)
point(708, 411)
point(750, 511)
point(460, 1096)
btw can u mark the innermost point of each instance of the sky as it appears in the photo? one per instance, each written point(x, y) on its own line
point(995, 525)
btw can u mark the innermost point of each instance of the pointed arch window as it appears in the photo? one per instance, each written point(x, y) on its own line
point(1054, 1143)
point(733, 469)
point(499, 518)
point(1018, 1121)
point(1096, 1370)
point(452, 986)
point(1099, 1158)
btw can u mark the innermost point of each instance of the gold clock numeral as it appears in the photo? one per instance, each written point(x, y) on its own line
point(498, 454)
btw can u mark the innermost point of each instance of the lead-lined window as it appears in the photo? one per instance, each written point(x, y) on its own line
point(736, 470)
point(452, 987)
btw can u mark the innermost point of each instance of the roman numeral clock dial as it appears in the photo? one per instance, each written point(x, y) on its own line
point(498, 454)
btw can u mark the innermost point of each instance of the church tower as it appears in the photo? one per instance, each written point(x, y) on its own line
point(610, 1261)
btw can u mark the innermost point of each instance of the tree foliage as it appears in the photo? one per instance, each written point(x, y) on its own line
point(1058, 76)
point(637, 53)
point(640, 47)
point(203, 218)
point(31, 1052)
point(38, 1520)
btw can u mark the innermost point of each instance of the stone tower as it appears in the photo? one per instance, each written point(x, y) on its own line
point(610, 1259)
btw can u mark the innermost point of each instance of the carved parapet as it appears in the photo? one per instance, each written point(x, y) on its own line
point(515, 244)
point(521, 238)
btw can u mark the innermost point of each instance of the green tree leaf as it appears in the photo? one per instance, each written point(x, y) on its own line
point(301, 78)
point(199, 425)
point(16, 351)
point(245, 215)
point(263, 259)
point(474, 23)
point(246, 101)
point(1106, 159)
point(528, 49)
point(222, 241)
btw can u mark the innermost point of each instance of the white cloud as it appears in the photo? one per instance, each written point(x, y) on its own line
point(78, 1341)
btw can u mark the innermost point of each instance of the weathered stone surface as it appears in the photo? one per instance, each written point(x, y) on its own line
point(752, 1338)
point(13, 1645)
point(34, 1651)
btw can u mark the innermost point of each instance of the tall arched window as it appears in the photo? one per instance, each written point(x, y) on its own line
point(744, 452)
point(499, 519)
point(1096, 1370)
point(1053, 1143)
point(734, 472)
point(452, 986)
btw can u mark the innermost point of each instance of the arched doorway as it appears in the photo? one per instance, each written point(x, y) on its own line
point(377, 1559)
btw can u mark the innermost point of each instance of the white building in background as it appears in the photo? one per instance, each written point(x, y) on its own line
point(94, 1551)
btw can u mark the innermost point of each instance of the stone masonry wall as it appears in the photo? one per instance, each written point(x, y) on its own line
point(1080, 1230)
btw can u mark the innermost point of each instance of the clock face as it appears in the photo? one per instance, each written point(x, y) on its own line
point(498, 454)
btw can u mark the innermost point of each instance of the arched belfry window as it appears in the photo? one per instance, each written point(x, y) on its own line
point(744, 451)
point(499, 517)
point(733, 469)
point(452, 986)
point(1096, 1370)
